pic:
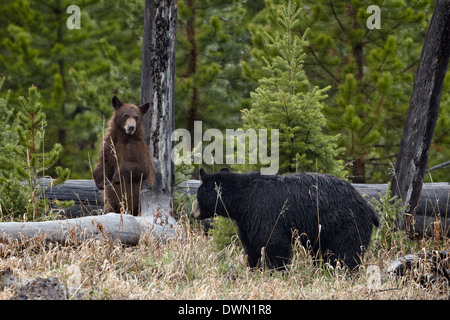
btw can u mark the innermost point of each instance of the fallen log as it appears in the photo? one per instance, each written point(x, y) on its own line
point(434, 204)
point(85, 217)
point(433, 210)
point(425, 267)
point(88, 199)
point(88, 221)
point(126, 228)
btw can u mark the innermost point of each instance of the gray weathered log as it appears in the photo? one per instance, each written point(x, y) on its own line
point(428, 267)
point(126, 228)
point(87, 197)
point(434, 204)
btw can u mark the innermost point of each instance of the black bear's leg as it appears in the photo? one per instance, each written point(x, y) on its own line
point(278, 255)
point(342, 252)
point(251, 251)
point(274, 259)
point(331, 258)
point(312, 247)
point(253, 259)
point(351, 261)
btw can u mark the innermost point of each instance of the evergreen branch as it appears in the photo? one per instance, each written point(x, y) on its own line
point(322, 65)
point(336, 17)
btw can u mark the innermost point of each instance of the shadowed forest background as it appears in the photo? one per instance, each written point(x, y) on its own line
point(221, 50)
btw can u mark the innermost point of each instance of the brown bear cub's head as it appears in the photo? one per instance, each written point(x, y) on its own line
point(128, 116)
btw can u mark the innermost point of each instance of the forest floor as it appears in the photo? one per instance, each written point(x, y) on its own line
point(193, 268)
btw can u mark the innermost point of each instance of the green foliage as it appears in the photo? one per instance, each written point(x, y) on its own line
point(76, 70)
point(371, 73)
point(439, 149)
point(26, 160)
point(183, 200)
point(5, 116)
point(221, 53)
point(285, 100)
point(388, 236)
point(224, 232)
point(13, 195)
point(212, 38)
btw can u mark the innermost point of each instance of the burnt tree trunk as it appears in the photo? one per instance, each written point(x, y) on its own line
point(414, 148)
point(158, 88)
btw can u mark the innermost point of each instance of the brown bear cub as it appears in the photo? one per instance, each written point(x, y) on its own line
point(124, 161)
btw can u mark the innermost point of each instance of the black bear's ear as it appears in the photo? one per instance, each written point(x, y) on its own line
point(202, 174)
point(116, 102)
point(144, 107)
point(224, 170)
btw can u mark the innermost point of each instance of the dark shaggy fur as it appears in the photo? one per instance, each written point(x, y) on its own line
point(299, 202)
point(124, 162)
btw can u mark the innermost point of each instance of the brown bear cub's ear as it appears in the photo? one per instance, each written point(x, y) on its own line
point(116, 102)
point(224, 170)
point(144, 107)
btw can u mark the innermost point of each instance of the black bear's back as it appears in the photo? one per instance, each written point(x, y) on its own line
point(307, 200)
point(310, 192)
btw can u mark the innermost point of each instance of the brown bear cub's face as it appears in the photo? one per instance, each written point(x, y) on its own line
point(128, 116)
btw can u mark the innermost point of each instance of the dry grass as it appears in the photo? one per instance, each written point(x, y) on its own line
point(193, 269)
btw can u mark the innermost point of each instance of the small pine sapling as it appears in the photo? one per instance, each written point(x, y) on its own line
point(285, 100)
point(28, 159)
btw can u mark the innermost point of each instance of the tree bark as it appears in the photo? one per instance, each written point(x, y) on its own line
point(158, 86)
point(414, 148)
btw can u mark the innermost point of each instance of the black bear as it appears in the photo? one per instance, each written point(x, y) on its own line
point(328, 214)
point(124, 162)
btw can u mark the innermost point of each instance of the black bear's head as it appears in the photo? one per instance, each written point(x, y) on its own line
point(128, 116)
point(209, 200)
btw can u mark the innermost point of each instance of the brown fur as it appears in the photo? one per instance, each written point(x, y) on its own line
point(124, 161)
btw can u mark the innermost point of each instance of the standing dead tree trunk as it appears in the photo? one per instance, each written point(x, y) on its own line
point(412, 157)
point(157, 87)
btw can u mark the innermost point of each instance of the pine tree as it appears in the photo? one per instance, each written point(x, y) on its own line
point(211, 39)
point(13, 195)
point(286, 100)
point(5, 117)
point(371, 72)
point(440, 147)
point(27, 160)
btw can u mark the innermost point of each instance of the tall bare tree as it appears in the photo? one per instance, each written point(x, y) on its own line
point(414, 148)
